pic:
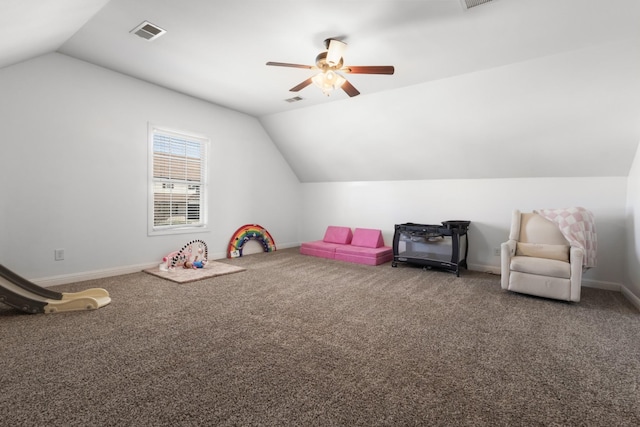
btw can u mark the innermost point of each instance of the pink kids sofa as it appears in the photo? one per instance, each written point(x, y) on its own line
point(326, 248)
point(364, 246)
point(367, 247)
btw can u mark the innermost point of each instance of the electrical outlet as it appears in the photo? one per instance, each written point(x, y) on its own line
point(496, 251)
point(58, 254)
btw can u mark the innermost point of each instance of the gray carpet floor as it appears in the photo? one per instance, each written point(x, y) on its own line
point(297, 340)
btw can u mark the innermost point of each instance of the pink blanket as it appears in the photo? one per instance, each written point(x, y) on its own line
point(578, 227)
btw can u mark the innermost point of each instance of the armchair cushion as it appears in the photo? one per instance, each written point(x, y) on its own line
point(541, 266)
point(542, 250)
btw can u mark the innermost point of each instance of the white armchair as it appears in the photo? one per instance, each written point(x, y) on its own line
point(538, 260)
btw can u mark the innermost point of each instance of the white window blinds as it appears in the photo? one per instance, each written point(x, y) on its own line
point(178, 180)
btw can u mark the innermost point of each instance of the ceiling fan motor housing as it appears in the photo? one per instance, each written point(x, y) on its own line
point(321, 62)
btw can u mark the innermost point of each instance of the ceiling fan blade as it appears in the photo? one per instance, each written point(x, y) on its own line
point(286, 64)
point(301, 85)
point(348, 87)
point(370, 69)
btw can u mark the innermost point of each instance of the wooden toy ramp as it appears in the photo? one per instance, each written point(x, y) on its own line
point(20, 293)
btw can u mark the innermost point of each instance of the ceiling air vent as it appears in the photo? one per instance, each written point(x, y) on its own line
point(468, 4)
point(294, 99)
point(148, 31)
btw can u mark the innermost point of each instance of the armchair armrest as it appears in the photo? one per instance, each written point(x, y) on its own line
point(507, 250)
point(576, 256)
point(510, 246)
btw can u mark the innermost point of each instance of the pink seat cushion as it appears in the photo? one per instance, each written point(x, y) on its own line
point(367, 238)
point(360, 255)
point(319, 249)
point(335, 234)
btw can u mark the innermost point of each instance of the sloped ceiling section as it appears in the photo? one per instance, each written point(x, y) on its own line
point(30, 28)
point(510, 88)
point(551, 95)
point(571, 114)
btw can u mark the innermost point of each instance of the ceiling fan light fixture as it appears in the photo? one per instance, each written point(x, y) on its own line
point(328, 81)
point(320, 81)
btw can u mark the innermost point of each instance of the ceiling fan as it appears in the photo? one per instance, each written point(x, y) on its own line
point(329, 62)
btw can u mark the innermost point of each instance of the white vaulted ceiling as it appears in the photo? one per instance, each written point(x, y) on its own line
point(511, 88)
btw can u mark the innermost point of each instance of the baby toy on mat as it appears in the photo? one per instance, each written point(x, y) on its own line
point(194, 264)
point(192, 255)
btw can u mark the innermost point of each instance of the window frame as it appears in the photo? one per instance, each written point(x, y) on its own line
point(168, 183)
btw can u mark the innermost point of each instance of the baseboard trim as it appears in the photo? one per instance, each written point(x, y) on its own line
point(289, 245)
point(633, 299)
point(91, 275)
point(118, 271)
point(222, 255)
point(492, 269)
point(599, 284)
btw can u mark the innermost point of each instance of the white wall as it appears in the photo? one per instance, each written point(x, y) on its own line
point(487, 203)
point(74, 170)
point(75, 146)
point(633, 228)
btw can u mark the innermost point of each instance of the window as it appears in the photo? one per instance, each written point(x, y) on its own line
point(177, 175)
